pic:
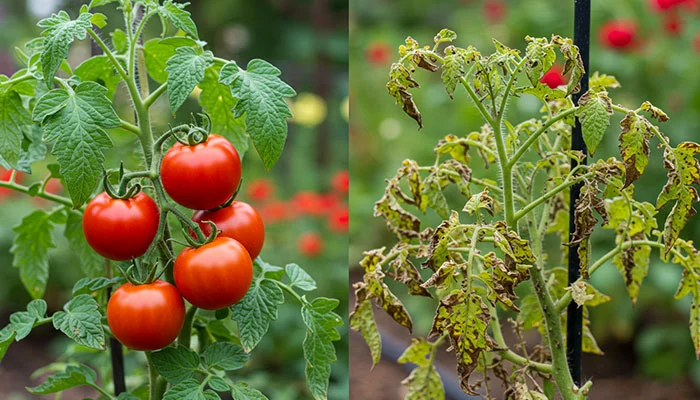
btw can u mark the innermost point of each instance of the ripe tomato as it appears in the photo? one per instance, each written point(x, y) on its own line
point(310, 244)
point(307, 203)
point(146, 317)
point(214, 276)
point(553, 78)
point(618, 34)
point(238, 221)
point(121, 229)
point(5, 175)
point(203, 176)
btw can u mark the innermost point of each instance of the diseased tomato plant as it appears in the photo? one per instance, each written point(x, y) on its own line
point(129, 235)
point(497, 236)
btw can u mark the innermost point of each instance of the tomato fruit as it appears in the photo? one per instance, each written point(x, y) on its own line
point(146, 317)
point(553, 78)
point(238, 221)
point(121, 229)
point(214, 276)
point(618, 34)
point(203, 176)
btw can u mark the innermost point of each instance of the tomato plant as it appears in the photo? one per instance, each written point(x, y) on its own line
point(129, 236)
point(497, 250)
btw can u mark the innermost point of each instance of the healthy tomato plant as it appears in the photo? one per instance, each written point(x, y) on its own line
point(201, 176)
point(238, 221)
point(127, 236)
point(146, 317)
point(121, 229)
point(502, 237)
point(216, 275)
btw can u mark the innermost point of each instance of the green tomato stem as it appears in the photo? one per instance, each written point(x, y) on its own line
point(185, 337)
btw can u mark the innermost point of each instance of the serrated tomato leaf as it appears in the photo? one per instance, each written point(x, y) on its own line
point(59, 32)
point(319, 352)
point(73, 376)
point(176, 364)
point(175, 13)
point(260, 93)
point(185, 70)
point(217, 101)
point(81, 321)
point(14, 120)
point(254, 313)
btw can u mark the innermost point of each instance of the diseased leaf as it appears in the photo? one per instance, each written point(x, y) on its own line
point(633, 264)
point(634, 146)
point(260, 93)
point(424, 382)
point(362, 320)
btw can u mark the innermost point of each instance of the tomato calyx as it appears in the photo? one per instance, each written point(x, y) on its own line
point(124, 192)
point(134, 274)
point(201, 240)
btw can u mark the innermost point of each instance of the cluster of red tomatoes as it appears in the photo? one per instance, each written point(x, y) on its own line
point(622, 34)
point(216, 275)
point(330, 206)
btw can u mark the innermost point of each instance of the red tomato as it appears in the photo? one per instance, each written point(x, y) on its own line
point(5, 175)
point(338, 220)
point(618, 34)
point(553, 78)
point(146, 317)
point(121, 229)
point(328, 202)
point(214, 276)
point(203, 176)
point(238, 221)
point(310, 244)
point(378, 53)
point(260, 189)
point(340, 182)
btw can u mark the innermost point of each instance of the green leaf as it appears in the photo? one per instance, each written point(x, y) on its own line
point(256, 310)
point(157, 52)
point(241, 391)
point(226, 356)
point(217, 101)
point(126, 396)
point(260, 93)
point(190, 390)
point(98, 3)
point(452, 72)
point(175, 13)
point(73, 376)
point(91, 263)
point(176, 364)
point(99, 20)
point(14, 121)
point(300, 278)
point(689, 284)
point(424, 382)
point(219, 384)
point(595, 109)
point(99, 69)
point(185, 70)
point(31, 250)
point(81, 321)
point(319, 351)
point(23, 321)
point(32, 150)
point(91, 285)
point(75, 124)
point(7, 336)
point(59, 32)
point(119, 41)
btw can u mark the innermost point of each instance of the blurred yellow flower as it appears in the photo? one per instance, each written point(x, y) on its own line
point(345, 109)
point(309, 109)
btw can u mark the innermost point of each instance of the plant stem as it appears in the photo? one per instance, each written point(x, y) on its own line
point(155, 382)
point(109, 54)
point(184, 339)
point(102, 391)
point(155, 95)
point(291, 291)
point(41, 193)
point(128, 126)
point(509, 354)
point(533, 138)
point(551, 193)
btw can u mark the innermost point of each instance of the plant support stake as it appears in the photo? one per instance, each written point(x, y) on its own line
point(574, 321)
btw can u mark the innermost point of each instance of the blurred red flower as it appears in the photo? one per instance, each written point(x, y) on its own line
point(260, 189)
point(378, 53)
point(554, 77)
point(340, 182)
point(310, 244)
point(673, 24)
point(307, 203)
point(328, 202)
point(494, 10)
point(664, 5)
point(338, 220)
point(618, 34)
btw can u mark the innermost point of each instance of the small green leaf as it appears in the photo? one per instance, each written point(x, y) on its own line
point(14, 121)
point(31, 250)
point(217, 101)
point(91, 263)
point(81, 321)
point(190, 390)
point(241, 391)
point(7, 336)
point(175, 13)
point(319, 351)
point(226, 356)
point(75, 123)
point(185, 70)
point(219, 384)
point(157, 52)
point(260, 93)
point(176, 364)
point(73, 376)
point(119, 41)
point(595, 109)
point(254, 313)
point(91, 285)
point(23, 321)
point(98, 3)
point(59, 32)
point(300, 278)
point(99, 20)
point(99, 69)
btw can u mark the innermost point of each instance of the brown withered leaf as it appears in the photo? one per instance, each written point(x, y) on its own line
point(586, 205)
point(404, 224)
point(405, 272)
point(634, 145)
point(422, 61)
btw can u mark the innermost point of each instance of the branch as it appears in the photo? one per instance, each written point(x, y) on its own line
point(530, 140)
